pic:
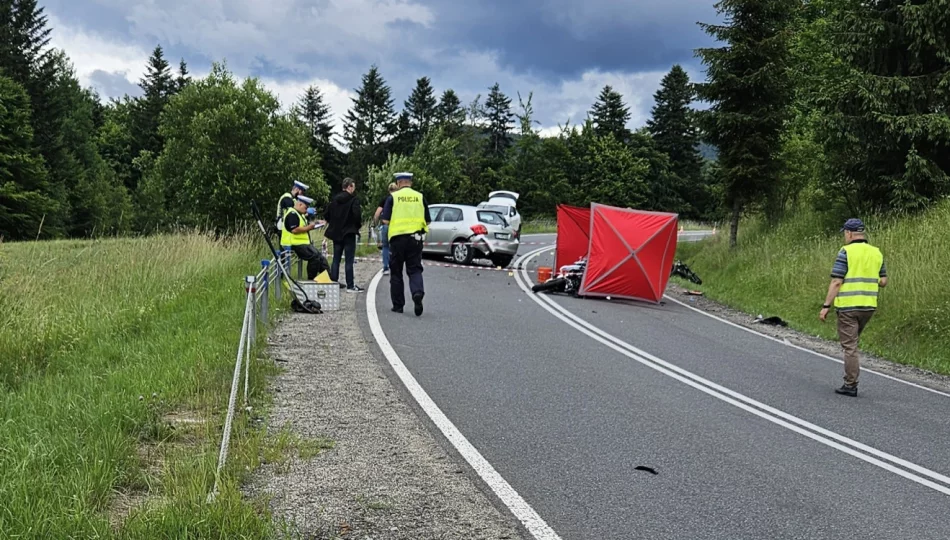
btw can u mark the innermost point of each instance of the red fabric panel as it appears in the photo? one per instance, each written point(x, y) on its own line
point(653, 257)
point(628, 254)
point(573, 234)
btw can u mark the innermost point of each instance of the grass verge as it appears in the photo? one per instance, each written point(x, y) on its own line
point(549, 226)
point(785, 272)
point(117, 362)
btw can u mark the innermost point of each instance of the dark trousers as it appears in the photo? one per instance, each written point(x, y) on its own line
point(316, 262)
point(346, 247)
point(405, 250)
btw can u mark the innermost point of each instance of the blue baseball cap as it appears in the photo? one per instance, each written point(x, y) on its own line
point(853, 225)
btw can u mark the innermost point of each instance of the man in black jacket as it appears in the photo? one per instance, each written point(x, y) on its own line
point(344, 220)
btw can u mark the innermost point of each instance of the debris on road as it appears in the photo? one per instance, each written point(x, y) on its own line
point(772, 321)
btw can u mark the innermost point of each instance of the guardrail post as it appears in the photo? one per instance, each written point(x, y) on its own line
point(251, 288)
point(299, 268)
point(265, 287)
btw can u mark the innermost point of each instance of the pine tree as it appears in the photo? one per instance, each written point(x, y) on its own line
point(25, 57)
point(24, 38)
point(886, 121)
point(674, 132)
point(315, 115)
point(450, 114)
point(158, 86)
point(750, 89)
point(372, 119)
point(610, 114)
point(183, 79)
point(499, 116)
point(23, 202)
point(403, 142)
point(421, 107)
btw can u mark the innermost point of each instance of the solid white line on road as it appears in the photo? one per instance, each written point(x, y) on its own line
point(741, 401)
point(804, 349)
point(538, 528)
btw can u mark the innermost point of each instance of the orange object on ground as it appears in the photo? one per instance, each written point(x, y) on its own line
point(544, 273)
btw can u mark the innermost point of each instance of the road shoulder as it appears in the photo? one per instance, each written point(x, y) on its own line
point(386, 475)
point(904, 372)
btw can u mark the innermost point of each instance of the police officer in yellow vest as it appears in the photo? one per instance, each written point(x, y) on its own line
point(296, 235)
point(407, 214)
point(857, 276)
point(286, 202)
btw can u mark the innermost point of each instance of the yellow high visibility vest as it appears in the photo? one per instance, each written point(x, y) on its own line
point(408, 213)
point(860, 286)
point(281, 214)
point(288, 238)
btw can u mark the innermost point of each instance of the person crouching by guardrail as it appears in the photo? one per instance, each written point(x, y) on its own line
point(296, 235)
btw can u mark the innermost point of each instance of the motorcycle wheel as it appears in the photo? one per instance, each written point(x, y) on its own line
point(553, 285)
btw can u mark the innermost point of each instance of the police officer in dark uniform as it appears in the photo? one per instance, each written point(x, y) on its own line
point(407, 215)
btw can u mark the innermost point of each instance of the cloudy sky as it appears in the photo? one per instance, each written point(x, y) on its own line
point(564, 51)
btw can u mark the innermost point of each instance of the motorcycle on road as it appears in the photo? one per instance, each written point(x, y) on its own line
point(568, 278)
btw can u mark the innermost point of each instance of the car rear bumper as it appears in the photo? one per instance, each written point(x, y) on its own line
point(489, 246)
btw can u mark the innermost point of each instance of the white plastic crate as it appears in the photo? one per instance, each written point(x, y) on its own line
point(328, 294)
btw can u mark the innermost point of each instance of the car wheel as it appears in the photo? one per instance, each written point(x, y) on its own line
point(462, 252)
point(501, 260)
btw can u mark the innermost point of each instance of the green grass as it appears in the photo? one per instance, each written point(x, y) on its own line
point(104, 345)
point(549, 226)
point(539, 226)
point(785, 272)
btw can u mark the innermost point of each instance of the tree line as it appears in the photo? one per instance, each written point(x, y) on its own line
point(838, 104)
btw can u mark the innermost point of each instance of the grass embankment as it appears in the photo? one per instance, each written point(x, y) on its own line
point(785, 272)
point(116, 360)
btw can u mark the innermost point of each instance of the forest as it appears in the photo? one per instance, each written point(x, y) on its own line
point(837, 106)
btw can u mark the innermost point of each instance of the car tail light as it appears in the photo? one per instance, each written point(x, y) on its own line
point(480, 229)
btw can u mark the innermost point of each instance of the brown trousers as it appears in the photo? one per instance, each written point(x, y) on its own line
point(850, 326)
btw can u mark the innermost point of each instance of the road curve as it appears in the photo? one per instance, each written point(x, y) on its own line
point(565, 398)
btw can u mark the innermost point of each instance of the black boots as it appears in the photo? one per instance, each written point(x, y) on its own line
point(846, 390)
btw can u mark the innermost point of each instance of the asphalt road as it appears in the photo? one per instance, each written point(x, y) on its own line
point(745, 434)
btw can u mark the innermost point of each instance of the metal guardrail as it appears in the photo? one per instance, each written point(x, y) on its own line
point(257, 290)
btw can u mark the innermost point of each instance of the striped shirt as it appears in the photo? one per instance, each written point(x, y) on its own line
point(840, 270)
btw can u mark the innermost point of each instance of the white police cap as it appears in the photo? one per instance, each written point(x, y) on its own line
point(305, 200)
point(301, 185)
point(403, 176)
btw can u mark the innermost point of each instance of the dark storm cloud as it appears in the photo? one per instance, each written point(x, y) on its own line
point(558, 39)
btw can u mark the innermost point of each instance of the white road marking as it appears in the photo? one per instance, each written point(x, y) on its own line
point(538, 528)
point(804, 349)
point(741, 401)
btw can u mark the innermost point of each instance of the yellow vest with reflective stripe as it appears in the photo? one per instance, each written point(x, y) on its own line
point(408, 215)
point(288, 238)
point(280, 215)
point(860, 286)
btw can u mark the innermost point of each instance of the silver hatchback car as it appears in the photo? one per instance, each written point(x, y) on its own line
point(466, 233)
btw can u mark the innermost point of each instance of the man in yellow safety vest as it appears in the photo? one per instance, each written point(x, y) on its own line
point(407, 215)
point(856, 278)
point(287, 201)
point(296, 235)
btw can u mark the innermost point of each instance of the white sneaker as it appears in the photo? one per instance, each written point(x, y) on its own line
point(355, 289)
point(385, 272)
